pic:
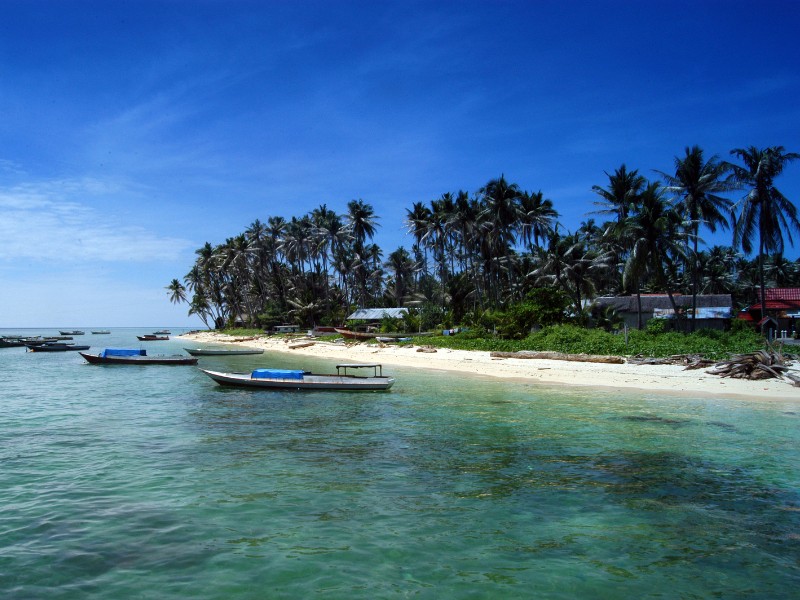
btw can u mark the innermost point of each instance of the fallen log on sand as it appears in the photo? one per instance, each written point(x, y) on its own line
point(593, 358)
point(301, 345)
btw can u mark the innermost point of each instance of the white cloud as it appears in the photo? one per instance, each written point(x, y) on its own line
point(47, 222)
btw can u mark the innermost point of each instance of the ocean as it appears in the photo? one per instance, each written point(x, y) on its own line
point(154, 482)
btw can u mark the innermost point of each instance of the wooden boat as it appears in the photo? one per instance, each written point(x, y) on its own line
point(152, 337)
point(135, 356)
point(301, 380)
point(392, 340)
point(355, 335)
point(76, 332)
point(223, 351)
point(54, 347)
point(162, 332)
point(102, 332)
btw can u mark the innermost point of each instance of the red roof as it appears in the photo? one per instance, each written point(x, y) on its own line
point(780, 294)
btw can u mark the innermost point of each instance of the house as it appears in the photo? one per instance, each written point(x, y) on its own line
point(373, 316)
point(376, 314)
point(782, 310)
point(714, 311)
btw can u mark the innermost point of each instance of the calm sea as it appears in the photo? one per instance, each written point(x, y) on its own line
point(154, 482)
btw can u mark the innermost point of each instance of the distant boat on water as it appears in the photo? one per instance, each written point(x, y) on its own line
point(152, 337)
point(55, 347)
point(223, 351)
point(75, 332)
point(101, 332)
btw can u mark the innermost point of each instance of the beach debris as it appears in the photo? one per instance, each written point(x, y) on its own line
point(763, 364)
point(301, 345)
point(427, 349)
point(529, 354)
point(689, 361)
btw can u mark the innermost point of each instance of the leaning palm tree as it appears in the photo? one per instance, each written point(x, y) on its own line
point(177, 293)
point(696, 185)
point(764, 211)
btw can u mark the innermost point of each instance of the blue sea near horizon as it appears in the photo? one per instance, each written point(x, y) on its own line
point(154, 482)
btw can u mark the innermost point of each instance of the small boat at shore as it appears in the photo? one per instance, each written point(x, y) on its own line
point(152, 337)
point(355, 335)
point(302, 380)
point(162, 332)
point(54, 347)
point(75, 332)
point(135, 356)
point(223, 351)
point(392, 340)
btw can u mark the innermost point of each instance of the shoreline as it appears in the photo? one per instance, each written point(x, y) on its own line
point(669, 379)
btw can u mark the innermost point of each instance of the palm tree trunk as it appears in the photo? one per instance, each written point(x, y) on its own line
point(694, 279)
point(638, 307)
point(761, 276)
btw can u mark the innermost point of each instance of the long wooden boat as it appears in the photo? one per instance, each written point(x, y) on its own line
point(75, 332)
point(54, 347)
point(162, 332)
point(223, 351)
point(102, 332)
point(355, 335)
point(151, 337)
point(135, 356)
point(301, 380)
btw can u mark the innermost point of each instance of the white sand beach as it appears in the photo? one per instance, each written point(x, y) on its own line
point(658, 378)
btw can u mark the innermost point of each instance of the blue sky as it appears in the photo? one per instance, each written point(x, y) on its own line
point(133, 132)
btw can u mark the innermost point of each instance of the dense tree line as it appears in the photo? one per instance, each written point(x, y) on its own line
point(486, 251)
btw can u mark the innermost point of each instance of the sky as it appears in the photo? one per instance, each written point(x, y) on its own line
point(131, 133)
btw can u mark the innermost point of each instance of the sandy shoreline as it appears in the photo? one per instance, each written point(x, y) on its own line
point(658, 378)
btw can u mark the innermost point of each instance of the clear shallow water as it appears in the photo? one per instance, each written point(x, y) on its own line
point(153, 482)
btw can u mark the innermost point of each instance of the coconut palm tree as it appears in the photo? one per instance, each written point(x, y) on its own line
point(536, 216)
point(177, 293)
point(499, 219)
point(653, 229)
point(696, 185)
point(763, 212)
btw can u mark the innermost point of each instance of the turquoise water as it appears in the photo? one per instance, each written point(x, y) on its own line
point(153, 482)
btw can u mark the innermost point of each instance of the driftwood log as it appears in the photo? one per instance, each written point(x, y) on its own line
point(594, 358)
point(689, 361)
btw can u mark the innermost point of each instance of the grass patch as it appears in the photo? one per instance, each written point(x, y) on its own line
point(572, 339)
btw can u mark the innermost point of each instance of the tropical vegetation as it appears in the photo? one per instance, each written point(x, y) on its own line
point(498, 259)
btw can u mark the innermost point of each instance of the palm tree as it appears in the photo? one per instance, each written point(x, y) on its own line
point(177, 293)
point(621, 194)
point(499, 219)
point(536, 215)
point(653, 229)
point(696, 184)
point(764, 210)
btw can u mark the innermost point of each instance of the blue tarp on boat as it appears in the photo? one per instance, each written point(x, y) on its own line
point(276, 374)
point(123, 352)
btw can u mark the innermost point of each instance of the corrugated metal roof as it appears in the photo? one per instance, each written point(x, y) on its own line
point(376, 314)
point(651, 302)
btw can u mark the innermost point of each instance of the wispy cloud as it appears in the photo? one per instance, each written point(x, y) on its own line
point(47, 221)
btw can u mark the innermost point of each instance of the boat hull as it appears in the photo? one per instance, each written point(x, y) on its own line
point(212, 352)
point(309, 382)
point(151, 338)
point(95, 359)
point(55, 347)
point(355, 335)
